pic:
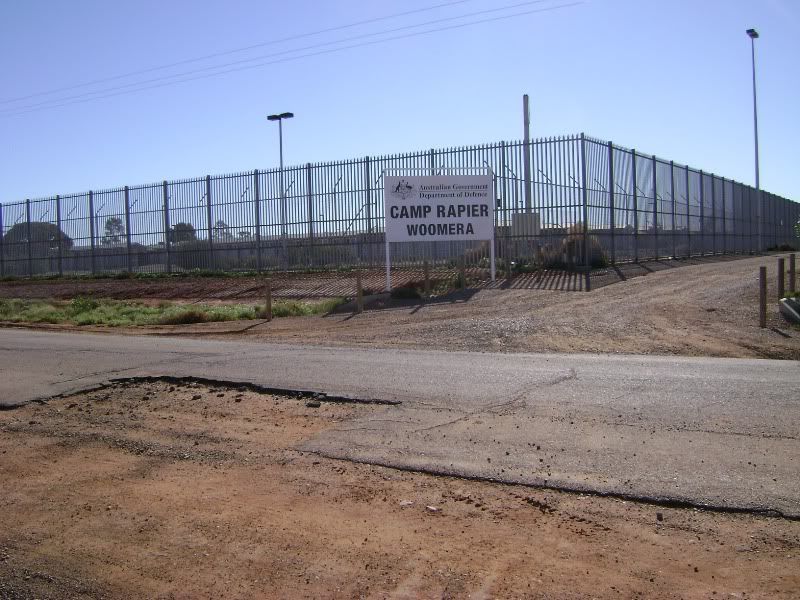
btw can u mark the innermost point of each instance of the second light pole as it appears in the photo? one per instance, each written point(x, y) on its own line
point(279, 118)
point(753, 35)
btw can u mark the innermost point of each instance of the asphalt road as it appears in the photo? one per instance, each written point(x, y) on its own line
point(700, 431)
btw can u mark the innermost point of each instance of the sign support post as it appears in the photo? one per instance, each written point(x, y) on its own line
point(439, 208)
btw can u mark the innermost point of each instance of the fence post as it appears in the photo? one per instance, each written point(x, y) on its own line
point(655, 207)
point(585, 193)
point(60, 237)
point(762, 297)
point(209, 221)
point(368, 188)
point(128, 228)
point(702, 215)
point(368, 205)
point(167, 240)
point(688, 215)
point(792, 273)
point(257, 202)
point(672, 197)
point(781, 277)
point(760, 219)
point(310, 202)
point(724, 224)
point(713, 216)
point(2, 249)
point(611, 207)
point(92, 231)
point(29, 236)
point(504, 205)
point(635, 208)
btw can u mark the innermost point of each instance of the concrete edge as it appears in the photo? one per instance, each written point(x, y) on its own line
point(789, 312)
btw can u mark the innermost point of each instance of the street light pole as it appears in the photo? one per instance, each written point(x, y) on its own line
point(279, 118)
point(753, 35)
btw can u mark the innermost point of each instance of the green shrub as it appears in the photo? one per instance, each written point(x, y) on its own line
point(82, 304)
point(184, 317)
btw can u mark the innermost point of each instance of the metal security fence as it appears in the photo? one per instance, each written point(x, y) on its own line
point(637, 207)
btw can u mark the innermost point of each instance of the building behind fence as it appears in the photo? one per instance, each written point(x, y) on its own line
point(637, 206)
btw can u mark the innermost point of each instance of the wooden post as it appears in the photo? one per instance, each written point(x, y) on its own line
point(268, 298)
point(359, 293)
point(762, 297)
point(426, 270)
point(792, 273)
point(781, 277)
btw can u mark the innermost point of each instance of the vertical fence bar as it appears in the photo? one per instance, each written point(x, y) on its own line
point(310, 202)
point(210, 225)
point(702, 215)
point(503, 208)
point(760, 219)
point(257, 204)
point(368, 207)
point(655, 208)
point(167, 240)
point(688, 215)
point(368, 189)
point(29, 236)
point(713, 216)
point(724, 221)
point(2, 249)
point(587, 265)
point(60, 237)
point(127, 198)
point(92, 232)
point(672, 196)
point(611, 208)
point(635, 208)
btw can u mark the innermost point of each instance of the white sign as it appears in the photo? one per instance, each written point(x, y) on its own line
point(439, 208)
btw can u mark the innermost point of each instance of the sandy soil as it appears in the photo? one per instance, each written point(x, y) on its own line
point(180, 491)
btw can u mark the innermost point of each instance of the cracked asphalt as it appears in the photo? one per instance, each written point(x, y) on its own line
point(713, 432)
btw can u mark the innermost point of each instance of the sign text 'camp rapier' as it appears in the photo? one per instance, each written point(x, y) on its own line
point(439, 208)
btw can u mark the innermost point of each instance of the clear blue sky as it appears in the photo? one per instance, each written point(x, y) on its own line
point(666, 77)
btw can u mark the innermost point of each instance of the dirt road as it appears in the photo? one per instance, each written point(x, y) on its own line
point(182, 491)
point(704, 307)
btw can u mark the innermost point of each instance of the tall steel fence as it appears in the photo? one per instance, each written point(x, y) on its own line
point(637, 207)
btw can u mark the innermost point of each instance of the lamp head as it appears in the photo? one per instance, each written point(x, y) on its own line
point(752, 33)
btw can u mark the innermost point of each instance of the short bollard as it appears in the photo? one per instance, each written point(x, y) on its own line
point(792, 274)
point(268, 299)
point(359, 294)
point(762, 297)
point(781, 277)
